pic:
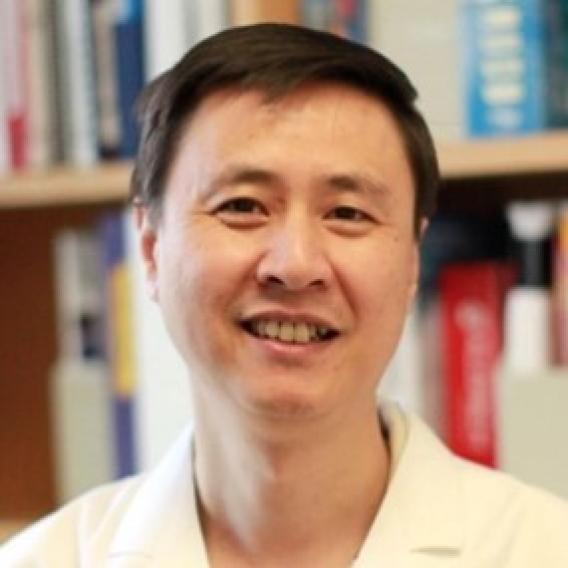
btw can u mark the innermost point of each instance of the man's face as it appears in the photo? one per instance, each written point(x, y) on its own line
point(285, 259)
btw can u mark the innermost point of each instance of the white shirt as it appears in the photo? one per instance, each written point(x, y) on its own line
point(438, 511)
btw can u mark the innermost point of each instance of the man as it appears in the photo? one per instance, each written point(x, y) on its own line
point(282, 186)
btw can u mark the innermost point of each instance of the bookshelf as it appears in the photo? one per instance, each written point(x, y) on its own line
point(540, 154)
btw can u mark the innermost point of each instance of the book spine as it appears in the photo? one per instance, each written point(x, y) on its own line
point(15, 61)
point(505, 67)
point(77, 75)
point(560, 289)
point(556, 16)
point(413, 43)
point(130, 71)
point(103, 18)
point(471, 301)
point(244, 12)
point(351, 19)
point(80, 410)
point(165, 36)
point(205, 18)
point(120, 350)
point(318, 14)
point(41, 115)
point(5, 162)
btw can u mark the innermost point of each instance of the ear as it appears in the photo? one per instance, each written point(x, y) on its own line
point(415, 274)
point(147, 235)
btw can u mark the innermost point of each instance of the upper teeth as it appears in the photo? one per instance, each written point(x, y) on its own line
point(290, 332)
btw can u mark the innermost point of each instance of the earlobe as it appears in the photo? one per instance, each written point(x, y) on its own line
point(148, 248)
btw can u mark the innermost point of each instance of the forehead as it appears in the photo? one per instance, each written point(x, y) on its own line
point(313, 101)
point(316, 128)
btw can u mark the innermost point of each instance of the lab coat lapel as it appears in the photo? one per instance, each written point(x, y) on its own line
point(421, 519)
point(161, 527)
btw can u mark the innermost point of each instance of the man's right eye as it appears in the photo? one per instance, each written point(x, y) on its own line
point(242, 213)
point(241, 205)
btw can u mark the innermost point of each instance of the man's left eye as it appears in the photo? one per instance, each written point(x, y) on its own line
point(346, 213)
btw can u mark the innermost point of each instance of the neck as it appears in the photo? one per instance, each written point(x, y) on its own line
point(289, 490)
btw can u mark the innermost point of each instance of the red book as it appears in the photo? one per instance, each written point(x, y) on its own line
point(471, 301)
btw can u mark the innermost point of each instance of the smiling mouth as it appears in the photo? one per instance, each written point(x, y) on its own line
point(289, 332)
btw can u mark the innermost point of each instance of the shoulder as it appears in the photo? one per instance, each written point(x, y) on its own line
point(497, 520)
point(62, 538)
point(506, 516)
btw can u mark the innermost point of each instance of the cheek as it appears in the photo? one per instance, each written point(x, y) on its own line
point(199, 278)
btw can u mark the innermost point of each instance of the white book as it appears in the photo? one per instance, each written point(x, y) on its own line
point(81, 417)
point(423, 39)
point(41, 114)
point(163, 396)
point(165, 33)
point(205, 18)
point(77, 76)
point(79, 288)
point(532, 426)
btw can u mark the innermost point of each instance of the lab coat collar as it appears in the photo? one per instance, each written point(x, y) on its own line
point(423, 512)
point(162, 522)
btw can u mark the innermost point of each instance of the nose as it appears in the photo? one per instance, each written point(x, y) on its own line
point(294, 258)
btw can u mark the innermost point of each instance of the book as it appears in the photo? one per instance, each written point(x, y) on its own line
point(80, 400)
point(165, 35)
point(40, 84)
point(103, 17)
point(531, 424)
point(79, 303)
point(129, 50)
point(471, 302)
point(244, 12)
point(347, 18)
point(14, 61)
point(559, 310)
point(81, 420)
point(76, 77)
point(511, 64)
point(119, 339)
point(423, 39)
point(205, 18)
point(5, 159)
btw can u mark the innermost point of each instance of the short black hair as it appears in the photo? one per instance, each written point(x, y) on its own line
point(276, 59)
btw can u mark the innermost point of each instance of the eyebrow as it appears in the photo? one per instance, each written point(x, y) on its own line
point(358, 183)
point(241, 174)
point(349, 182)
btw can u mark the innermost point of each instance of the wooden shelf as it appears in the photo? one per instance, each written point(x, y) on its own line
point(66, 186)
point(538, 154)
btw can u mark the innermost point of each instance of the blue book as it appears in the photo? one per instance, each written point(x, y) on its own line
point(130, 69)
point(120, 341)
point(510, 62)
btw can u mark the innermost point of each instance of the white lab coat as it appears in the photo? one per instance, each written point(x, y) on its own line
point(439, 511)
